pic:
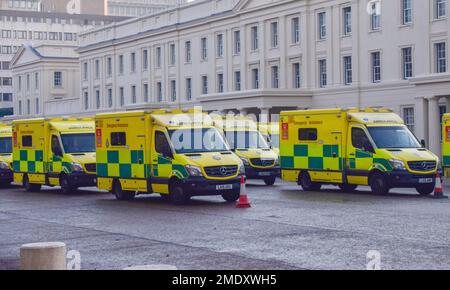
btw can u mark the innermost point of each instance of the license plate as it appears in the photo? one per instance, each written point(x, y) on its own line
point(264, 174)
point(426, 180)
point(224, 187)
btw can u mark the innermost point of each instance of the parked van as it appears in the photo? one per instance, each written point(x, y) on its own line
point(446, 144)
point(271, 132)
point(354, 147)
point(260, 160)
point(6, 174)
point(54, 152)
point(178, 154)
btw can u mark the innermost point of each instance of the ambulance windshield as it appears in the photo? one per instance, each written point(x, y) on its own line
point(201, 140)
point(78, 143)
point(396, 137)
point(246, 140)
point(5, 145)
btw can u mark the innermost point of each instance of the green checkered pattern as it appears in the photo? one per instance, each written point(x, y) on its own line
point(364, 161)
point(28, 161)
point(122, 163)
point(312, 157)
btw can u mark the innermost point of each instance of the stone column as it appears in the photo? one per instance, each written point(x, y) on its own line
point(447, 104)
point(434, 129)
point(264, 117)
point(421, 118)
point(243, 112)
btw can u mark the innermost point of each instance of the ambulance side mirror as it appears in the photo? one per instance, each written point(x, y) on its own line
point(423, 143)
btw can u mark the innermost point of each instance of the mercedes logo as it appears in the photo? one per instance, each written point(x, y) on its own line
point(223, 171)
point(424, 165)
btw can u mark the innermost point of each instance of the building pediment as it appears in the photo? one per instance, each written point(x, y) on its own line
point(25, 55)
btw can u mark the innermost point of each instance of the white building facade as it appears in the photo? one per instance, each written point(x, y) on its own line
point(19, 28)
point(263, 56)
point(46, 81)
point(136, 8)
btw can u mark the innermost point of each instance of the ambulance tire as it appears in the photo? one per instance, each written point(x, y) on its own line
point(30, 187)
point(426, 190)
point(269, 181)
point(121, 194)
point(177, 194)
point(378, 184)
point(66, 188)
point(348, 187)
point(231, 196)
point(307, 184)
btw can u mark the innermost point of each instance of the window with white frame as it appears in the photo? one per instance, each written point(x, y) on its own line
point(441, 57)
point(122, 96)
point(189, 89)
point(295, 24)
point(375, 17)
point(204, 48)
point(146, 93)
point(28, 83)
point(254, 38)
point(204, 85)
point(322, 29)
point(133, 62)
point(322, 73)
point(440, 8)
point(86, 100)
point(37, 106)
point(36, 80)
point(159, 91)
point(158, 57)
point(97, 99)
point(145, 59)
point(255, 78)
point(188, 52)
point(173, 90)
point(109, 66)
point(220, 45)
point(275, 73)
point(220, 86)
point(20, 107)
point(173, 56)
point(28, 106)
point(85, 71)
point(110, 97)
point(57, 79)
point(121, 64)
point(408, 117)
point(237, 42)
point(237, 80)
point(376, 66)
point(406, 12)
point(407, 62)
point(97, 69)
point(347, 16)
point(274, 34)
point(133, 94)
point(348, 70)
point(296, 72)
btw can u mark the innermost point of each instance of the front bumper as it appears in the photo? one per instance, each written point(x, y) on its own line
point(82, 179)
point(201, 186)
point(406, 179)
point(6, 176)
point(262, 173)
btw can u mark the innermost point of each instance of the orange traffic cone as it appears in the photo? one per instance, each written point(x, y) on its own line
point(243, 202)
point(438, 191)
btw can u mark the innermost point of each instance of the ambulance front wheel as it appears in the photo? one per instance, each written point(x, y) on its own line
point(269, 181)
point(425, 189)
point(64, 182)
point(231, 196)
point(177, 194)
point(307, 184)
point(30, 187)
point(378, 183)
point(122, 194)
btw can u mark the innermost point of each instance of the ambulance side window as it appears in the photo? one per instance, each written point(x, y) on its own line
point(27, 141)
point(360, 140)
point(118, 139)
point(307, 134)
point(56, 146)
point(162, 146)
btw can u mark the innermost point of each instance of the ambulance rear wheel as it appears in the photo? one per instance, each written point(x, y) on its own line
point(231, 196)
point(348, 187)
point(66, 188)
point(122, 194)
point(307, 184)
point(269, 181)
point(177, 195)
point(426, 189)
point(378, 184)
point(30, 187)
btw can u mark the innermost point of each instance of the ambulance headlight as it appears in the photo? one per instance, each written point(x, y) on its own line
point(241, 169)
point(194, 170)
point(245, 161)
point(397, 164)
point(4, 166)
point(77, 167)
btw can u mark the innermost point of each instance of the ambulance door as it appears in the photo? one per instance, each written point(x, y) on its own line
point(55, 158)
point(161, 161)
point(360, 153)
point(333, 157)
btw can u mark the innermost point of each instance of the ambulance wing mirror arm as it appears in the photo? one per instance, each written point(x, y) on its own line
point(423, 143)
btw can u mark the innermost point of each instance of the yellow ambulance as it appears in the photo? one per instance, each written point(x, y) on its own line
point(446, 144)
point(178, 154)
point(260, 160)
point(54, 152)
point(271, 132)
point(6, 175)
point(354, 147)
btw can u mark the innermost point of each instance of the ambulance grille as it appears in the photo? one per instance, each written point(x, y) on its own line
point(262, 162)
point(221, 171)
point(422, 165)
point(91, 167)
